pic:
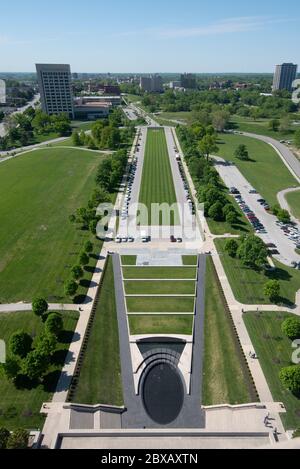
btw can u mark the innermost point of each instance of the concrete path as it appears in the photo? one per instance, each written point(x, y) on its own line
point(14, 307)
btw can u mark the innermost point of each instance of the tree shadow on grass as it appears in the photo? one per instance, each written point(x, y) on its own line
point(87, 283)
point(23, 382)
point(50, 381)
point(59, 356)
point(279, 274)
point(68, 337)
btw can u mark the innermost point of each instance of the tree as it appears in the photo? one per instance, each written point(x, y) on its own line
point(291, 328)
point(39, 306)
point(290, 378)
point(272, 290)
point(220, 120)
point(18, 439)
point(285, 124)
point(231, 247)
point(93, 226)
point(35, 364)
point(253, 252)
point(46, 343)
point(242, 153)
point(83, 258)
point(208, 145)
point(231, 218)
point(77, 272)
point(54, 324)
point(76, 140)
point(11, 367)
point(20, 344)
point(274, 125)
point(216, 211)
point(283, 216)
point(4, 435)
point(71, 288)
point(88, 247)
point(228, 208)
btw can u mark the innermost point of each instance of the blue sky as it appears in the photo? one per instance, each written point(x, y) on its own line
point(154, 36)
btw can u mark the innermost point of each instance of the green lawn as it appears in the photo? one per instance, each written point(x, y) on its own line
point(266, 171)
point(100, 377)
point(248, 285)
point(160, 324)
point(274, 350)
point(157, 185)
point(190, 260)
point(160, 304)
point(184, 116)
point(159, 272)
point(293, 200)
point(226, 379)
point(21, 407)
point(260, 127)
point(159, 287)
point(128, 260)
point(38, 244)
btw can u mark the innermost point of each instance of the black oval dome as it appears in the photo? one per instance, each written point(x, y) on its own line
point(163, 393)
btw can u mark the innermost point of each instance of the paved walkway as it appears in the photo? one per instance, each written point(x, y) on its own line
point(14, 307)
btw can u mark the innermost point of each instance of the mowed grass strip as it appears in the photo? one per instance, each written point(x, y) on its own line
point(128, 260)
point(21, 407)
point(265, 171)
point(293, 199)
point(38, 243)
point(190, 260)
point(274, 350)
point(248, 284)
point(160, 304)
point(157, 184)
point(159, 272)
point(160, 324)
point(159, 287)
point(100, 376)
point(225, 379)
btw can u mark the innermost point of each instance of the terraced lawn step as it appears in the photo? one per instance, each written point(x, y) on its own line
point(167, 273)
point(160, 304)
point(161, 324)
point(159, 287)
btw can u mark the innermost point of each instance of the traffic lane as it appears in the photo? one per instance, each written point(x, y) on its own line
point(232, 177)
point(286, 153)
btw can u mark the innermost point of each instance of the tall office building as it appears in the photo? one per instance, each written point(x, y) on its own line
point(55, 88)
point(154, 83)
point(284, 76)
point(188, 81)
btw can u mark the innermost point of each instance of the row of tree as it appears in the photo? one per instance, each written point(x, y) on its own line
point(18, 439)
point(290, 375)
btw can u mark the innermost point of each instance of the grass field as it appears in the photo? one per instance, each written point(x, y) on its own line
point(266, 171)
point(190, 260)
point(184, 116)
point(274, 350)
point(260, 127)
point(21, 407)
point(225, 378)
point(128, 260)
point(248, 285)
point(159, 304)
point(38, 244)
point(159, 287)
point(160, 324)
point(157, 186)
point(293, 200)
point(159, 272)
point(100, 377)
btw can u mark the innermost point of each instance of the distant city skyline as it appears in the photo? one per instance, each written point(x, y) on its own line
point(169, 37)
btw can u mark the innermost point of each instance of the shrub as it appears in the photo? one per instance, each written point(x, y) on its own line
point(290, 378)
point(39, 306)
point(291, 328)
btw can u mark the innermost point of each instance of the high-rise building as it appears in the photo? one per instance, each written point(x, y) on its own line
point(284, 76)
point(55, 88)
point(154, 83)
point(188, 81)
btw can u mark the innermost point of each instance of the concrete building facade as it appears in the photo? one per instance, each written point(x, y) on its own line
point(153, 83)
point(284, 76)
point(55, 88)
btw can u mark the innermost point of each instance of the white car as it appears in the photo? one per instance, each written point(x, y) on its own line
point(118, 239)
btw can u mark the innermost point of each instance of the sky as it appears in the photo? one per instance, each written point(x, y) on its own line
point(150, 36)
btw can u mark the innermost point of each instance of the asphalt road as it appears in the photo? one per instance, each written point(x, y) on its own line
point(232, 177)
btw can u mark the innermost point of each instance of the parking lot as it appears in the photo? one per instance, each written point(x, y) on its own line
point(282, 239)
